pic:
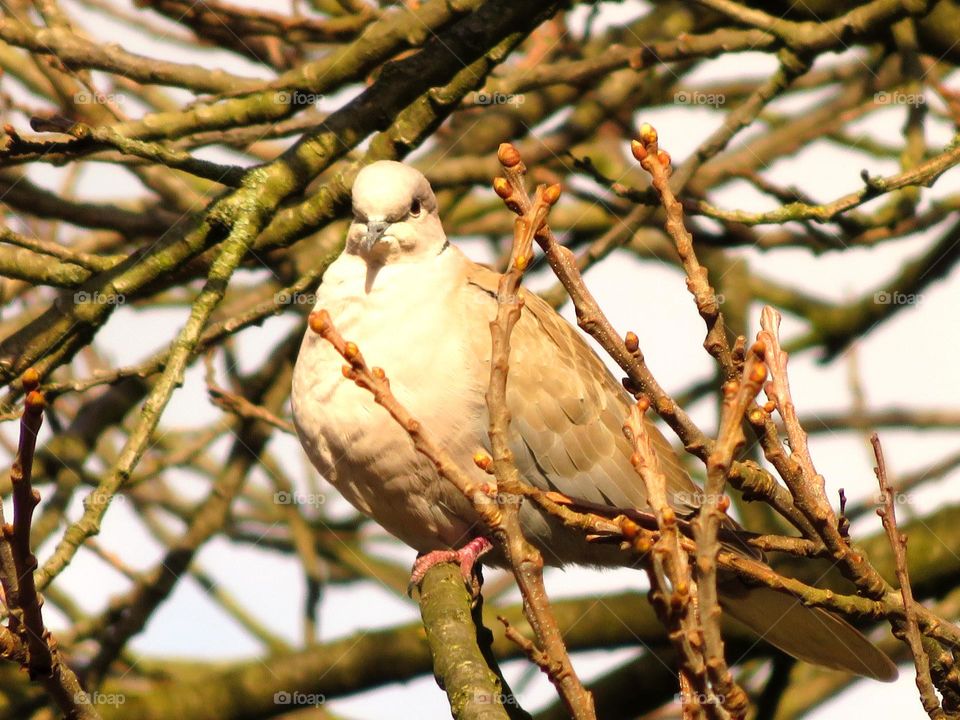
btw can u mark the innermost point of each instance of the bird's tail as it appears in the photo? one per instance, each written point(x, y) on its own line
point(806, 633)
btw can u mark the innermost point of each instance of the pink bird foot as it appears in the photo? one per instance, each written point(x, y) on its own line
point(466, 557)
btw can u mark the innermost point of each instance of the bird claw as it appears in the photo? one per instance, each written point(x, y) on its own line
point(466, 557)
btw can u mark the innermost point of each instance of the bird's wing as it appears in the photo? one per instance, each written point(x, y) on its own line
point(567, 413)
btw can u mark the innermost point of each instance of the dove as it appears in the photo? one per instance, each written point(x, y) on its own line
point(420, 309)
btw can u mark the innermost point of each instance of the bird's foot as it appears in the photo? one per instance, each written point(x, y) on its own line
point(466, 557)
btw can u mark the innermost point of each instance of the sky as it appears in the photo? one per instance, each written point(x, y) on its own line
point(907, 362)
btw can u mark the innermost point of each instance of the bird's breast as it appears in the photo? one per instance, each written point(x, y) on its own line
point(412, 327)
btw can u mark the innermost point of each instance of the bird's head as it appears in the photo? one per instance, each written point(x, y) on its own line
point(395, 215)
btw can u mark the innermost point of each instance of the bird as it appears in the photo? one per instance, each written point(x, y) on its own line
point(420, 309)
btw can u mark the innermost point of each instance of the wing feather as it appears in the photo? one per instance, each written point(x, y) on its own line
point(567, 412)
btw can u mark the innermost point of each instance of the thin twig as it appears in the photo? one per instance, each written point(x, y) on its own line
point(525, 560)
point(25, 499)
point(29, 642)
point(738, 396)
point(911, 626)
point(673, 592)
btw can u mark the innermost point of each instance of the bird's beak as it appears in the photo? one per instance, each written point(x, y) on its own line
point(375, 231)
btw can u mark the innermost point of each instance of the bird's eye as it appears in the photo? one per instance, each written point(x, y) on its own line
point(415, 208)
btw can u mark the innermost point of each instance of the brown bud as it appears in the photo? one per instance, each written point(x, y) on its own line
point(756, 416)
point(648, 134)
point(643, 403)
point(552, 194)
point(759, 373)
point(521, 262)
point(482, 459)
point(769, 406)
point(758, 348)
point(638, 150)
point(730, 389)
point(501, 186)
point(723, 503)
point(36, 400)
point(351, 351)
point(346, 371)
point(80, 131)
point(631, 341)
point(378, 373)
point(30, 379)
point(669, 516)
point(318, 321)
point(664, 157)
point(508, 155)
